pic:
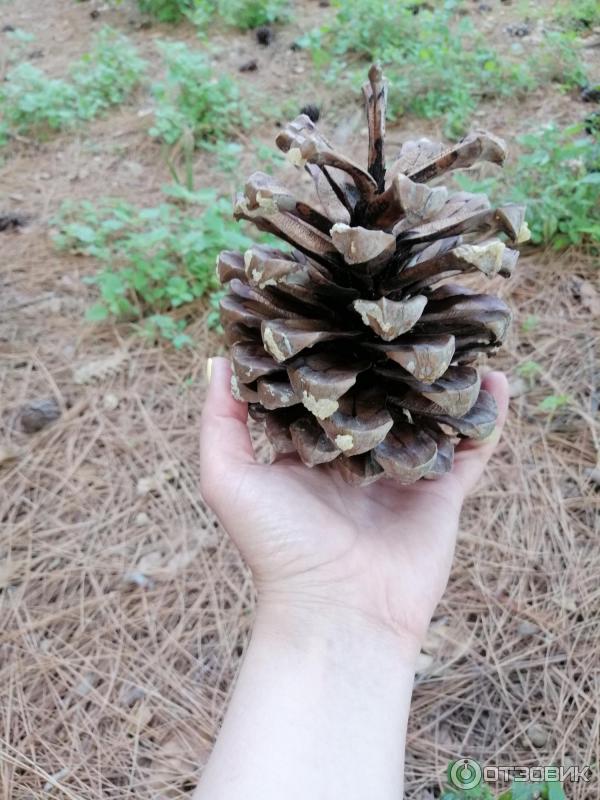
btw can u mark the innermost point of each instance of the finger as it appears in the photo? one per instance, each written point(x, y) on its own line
point(472, 456)
point(224, 437)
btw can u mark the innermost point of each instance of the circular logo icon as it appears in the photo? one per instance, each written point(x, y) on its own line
point(465, 774)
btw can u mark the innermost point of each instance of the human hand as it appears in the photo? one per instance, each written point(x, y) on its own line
point(316, 545)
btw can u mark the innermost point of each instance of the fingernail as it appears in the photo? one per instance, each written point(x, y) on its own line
point(209, 363)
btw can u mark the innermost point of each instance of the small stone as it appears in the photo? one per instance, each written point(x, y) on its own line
point(38, 414)
point(538, 736)
point(249, 66)
point(527, 628)
point(142, 519)
point(8, 29)
point(299, 70)
point(110, 402)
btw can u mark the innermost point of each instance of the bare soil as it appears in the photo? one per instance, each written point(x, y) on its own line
point(124, 610)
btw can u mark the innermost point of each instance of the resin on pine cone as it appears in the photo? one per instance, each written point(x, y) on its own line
point(350, 346)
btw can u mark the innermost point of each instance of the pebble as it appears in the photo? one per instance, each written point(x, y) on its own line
point(538, 736)
point(527, 628)
point(37, 414)
point(110, 402)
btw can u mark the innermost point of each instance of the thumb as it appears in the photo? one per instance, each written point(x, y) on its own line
point(224, 437)
point(472, 456)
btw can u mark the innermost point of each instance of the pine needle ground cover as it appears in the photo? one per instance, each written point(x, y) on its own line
point(124, 611)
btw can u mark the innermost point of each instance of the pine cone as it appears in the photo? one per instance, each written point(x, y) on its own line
point(350, 348)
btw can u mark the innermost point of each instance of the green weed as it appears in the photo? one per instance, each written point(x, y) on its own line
point(192, 100)
point(554, 402)
point(32, 102)
point(558, 60)
point(577, 14)
point(106, 75)
point(557, 176)
point(243, 14)
point(530, 370)
point(151, 259)
point(247, 14)
point(439, 65)
point(167, 10)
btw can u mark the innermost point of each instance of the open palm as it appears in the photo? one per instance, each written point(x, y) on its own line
point(383, 551)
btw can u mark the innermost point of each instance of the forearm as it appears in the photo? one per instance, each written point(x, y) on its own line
point(319, 711)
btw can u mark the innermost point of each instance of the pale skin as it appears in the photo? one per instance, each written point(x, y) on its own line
point(347, 582)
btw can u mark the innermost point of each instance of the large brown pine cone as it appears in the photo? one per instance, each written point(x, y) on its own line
point(349, 347)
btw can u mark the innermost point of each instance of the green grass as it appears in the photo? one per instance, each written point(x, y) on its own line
point(33, 103)
point(577, 15)
point(439, 65)
point(151, 260)
point(193, 101)
point(243, 14)
point(106, 75)
point(558, 178)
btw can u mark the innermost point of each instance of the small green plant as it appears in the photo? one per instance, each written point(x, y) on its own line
point(577, 14)
point(192, 100)
point(247, 14)
point(20, 40)
point(557, 176)
point(167, 10)
point(438, 64)
point(530, 370)
point(152, 259)
point(106, 75)
point(30, 101)
point(530, 323)
point(558, 60)
point(554, 402)
point(243, 14)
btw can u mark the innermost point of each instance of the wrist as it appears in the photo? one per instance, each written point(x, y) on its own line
point(337, 631)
